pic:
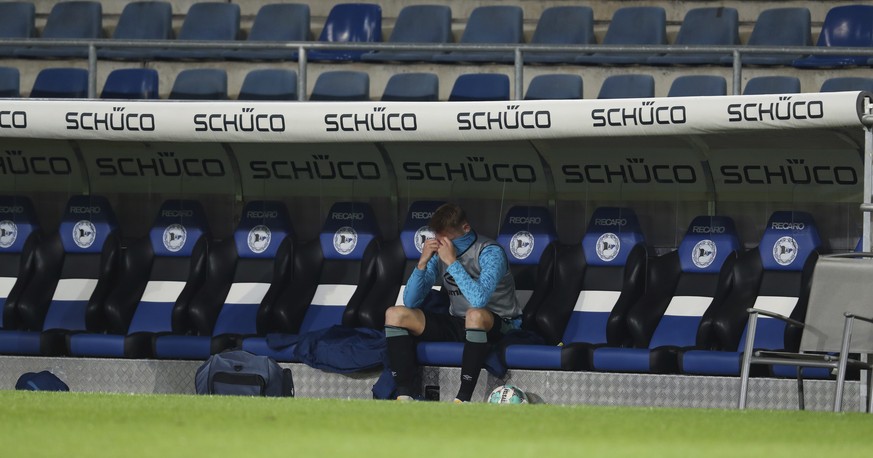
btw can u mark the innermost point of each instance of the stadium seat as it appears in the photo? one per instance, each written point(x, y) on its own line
point(412, 87)
point(205, 21)
point(200, 84)
point(627, 87)
point(554, 87)
point(697, 85)
point(245, 276)
point(269, 84)
point(349, 23)
point(10, 82)
point(497, 24)
point(562, 25)
point(594, 285)
point(712, 26)
point(16, 22)
point(480, 87)
point(161, 273)
point(772, 85)
point(847, 83)
point(848, 26)
point(774, 277)
point(777, 27)
point(632, 25)
point(332, 276)
point(131, 83)
point(77, 19)
point(60, 83)
point(140, 20)
point(276, 22)
point(19, 237)
point(76, 268)
point(416, 24)
point(341, 85)
point(683, 288)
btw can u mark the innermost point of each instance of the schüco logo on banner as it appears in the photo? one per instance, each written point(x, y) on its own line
point(116, 119)
point(377, 121)
point(647, 114)
point(16, 162)
point(509, 119)
point(796, 172)
point(636, 171)
point(166, 164)
point(785, 109)
point(320, 168)
point(475, 169)
point(13, 119)
point(245, 121)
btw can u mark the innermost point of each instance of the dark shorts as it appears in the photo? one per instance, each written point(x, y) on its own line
point(441, 327)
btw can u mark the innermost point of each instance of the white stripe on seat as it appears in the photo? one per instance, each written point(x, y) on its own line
point(247, 293)
point(74, 289)
point(596, 301)
point(776, 304)
point(399, 300)
point(688, 306)
point(334, 295)
point(163, 291)
point(6, 284)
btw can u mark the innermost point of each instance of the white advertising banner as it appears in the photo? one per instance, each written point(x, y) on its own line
point(292, 122)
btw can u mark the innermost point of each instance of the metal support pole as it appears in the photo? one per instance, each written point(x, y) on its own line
point(301, 73)
point(747, 357)
point(844, 357)
point(519, 75)
point(92, 71)
point(736, 84)
point(868, 187)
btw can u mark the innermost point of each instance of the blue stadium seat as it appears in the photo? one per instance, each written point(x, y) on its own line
point(844, 26)
point(16, 21)
point(711, 26)
point(131, 83)
point(10, 82)
point(19, 237)
point(698, 85)
point(847, 83)
point(777, 27)
point(632, 25)
point(595, 284)
point(76, 268)
point(276, 22)
point(497, 24)
point(161, 274)
point(269, 84)
point(246, 274)
point(341, 85)
point(684, 286)
point(412, 87)
point(480, 87)
point(774, 277)
point(627, 87)
point(416, 24)
point(140, 20)
point(772, 85)
point(331, 280)
point(200, 84)
point(554, 87)
point(77, 19)
point(349, 23)
point(562, 25)
point(205, 21)
point(60, 83)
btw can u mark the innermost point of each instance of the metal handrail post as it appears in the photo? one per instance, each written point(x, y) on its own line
point(92, 71)
point(736, 84)
point(301, 73)
point(519, 75)
point(747, 357)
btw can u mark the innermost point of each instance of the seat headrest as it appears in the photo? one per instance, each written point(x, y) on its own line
point(612, 233)
point(707, 243)
point(788, 240)
point(87, 223)
point(262, 227)
point(349, 228)
point(17, 222)
point(178, 227)
point(525, 233)
point(415, 229)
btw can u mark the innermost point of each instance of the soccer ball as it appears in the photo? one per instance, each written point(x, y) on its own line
point(507, 394)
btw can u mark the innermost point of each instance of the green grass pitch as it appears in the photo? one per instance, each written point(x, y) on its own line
point(35, 424)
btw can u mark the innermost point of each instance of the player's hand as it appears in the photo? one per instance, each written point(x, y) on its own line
point(446, 251)
point(428, 250)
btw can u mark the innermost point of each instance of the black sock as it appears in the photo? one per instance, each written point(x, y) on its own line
point(475, 351)
point(401, 358)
